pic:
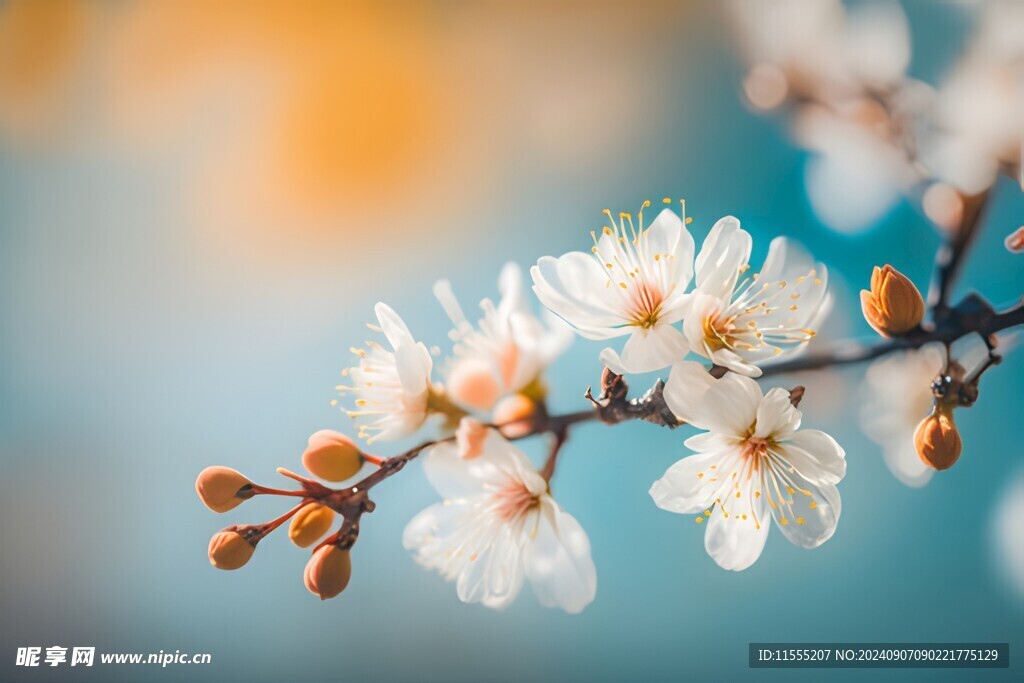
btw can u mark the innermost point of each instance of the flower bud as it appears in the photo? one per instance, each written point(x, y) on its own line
point(937, 439)
point(470, 437)
point(515, 413)
point(221, 488)
point(893, 306)
point(328, 571)
point(310, 524)
point(230, 549)
point(332, 456)
point(472, 384)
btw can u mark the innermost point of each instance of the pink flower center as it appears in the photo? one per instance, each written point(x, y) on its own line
point(513, 500)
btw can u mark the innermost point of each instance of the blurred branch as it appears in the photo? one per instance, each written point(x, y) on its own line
point(950, 256)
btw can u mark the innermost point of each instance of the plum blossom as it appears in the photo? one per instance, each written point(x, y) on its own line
point(897, 396)
point(392, 389)
point(752, 461)
point(633, 283)
point(499, 526)
point(739, 321)
point(508, 349)
point(1006, 529)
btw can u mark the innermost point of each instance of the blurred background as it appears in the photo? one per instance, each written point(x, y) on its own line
point(201, 202)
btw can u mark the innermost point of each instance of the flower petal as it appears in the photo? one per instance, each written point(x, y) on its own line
point(393, 326)
point(733, 542)
point(732, 402)
point(573, 287)
point(647, 350)
point(684, 392)
point(493, 575)
point(686, 487)
point(558, 561)
point(807, 520)
point(725, 251)
point(776, 416)
point(451, 476)
point(815, 455)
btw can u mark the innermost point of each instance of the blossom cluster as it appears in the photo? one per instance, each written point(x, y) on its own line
point(498, 525)
point(705, 316)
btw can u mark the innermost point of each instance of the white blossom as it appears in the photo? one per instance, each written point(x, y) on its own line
point(740, 321)
point(1006, 530)
point(752, 461)
point(897, 396)
point(392, 388)
point(632, 283)
point(506, 351)
point(499, 526)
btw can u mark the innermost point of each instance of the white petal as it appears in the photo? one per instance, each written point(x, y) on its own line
point(413, 363)
point(446, 297)
point(450, 475)
point(815, 455)
point(574, 287)
point(558, 562)
point(776, 416)
point(806, 526)
point(726, 249)
point(647, 350)
point(733, 361)
point(394, 327)
point(686, 486)
point(510, 284)
point(905, 464)
point(736, 543)
point(493, 575)
point(684, 392)
point(732, 403)
point(668, 235)
point(425, 533)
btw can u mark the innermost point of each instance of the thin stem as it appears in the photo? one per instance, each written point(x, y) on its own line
point(263, 490)
point(560, 436)
point(267, 528)
point(950, 257)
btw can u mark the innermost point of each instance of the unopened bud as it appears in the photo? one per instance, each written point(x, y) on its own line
point(470, 437)
point(310, 524)
point(937, 439)
point(328, 571)
point(894, 305)
point(472, 384)
point(332, 456)
point(514, 414)
point(222, 488)
point(231, 548)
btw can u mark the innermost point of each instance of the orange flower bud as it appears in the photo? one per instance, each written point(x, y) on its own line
point(515, 412)
point(469, 438)
point(472, 384)
point(328, 571)
point(893, 306)
point(221, 488)
point(937, 439)
point(332, 456)
point(230, 549)
point(310, 524)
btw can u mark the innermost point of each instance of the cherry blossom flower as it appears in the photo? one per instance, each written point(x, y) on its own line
point(633, 283)
point(392, 388)
point(753, 461)
point(507, 350)
point(897, 396)
point(498, 526)
point(739, 321)
point(1006, 529)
